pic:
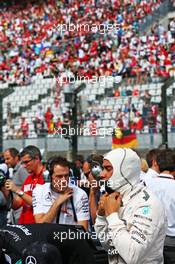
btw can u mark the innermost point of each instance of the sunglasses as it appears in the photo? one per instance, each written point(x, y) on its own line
point(26, 161)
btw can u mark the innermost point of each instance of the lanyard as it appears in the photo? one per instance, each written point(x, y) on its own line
point(73, 209)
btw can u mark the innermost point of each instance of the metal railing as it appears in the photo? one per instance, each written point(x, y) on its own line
point(86, 143)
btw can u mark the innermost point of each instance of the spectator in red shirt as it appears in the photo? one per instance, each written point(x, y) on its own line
point(173, 124)
point(24, 126)
point(139, 124)
point(49, 118)
point(135, 91)
point(58, 125)
point(119, 123)
point(117, 93)
point(93, 128)
point(31, 159)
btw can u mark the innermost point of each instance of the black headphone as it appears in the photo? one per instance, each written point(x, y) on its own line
point(50, 168)
point(49, 165)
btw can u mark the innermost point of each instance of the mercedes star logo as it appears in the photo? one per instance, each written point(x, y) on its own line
point(30, 260)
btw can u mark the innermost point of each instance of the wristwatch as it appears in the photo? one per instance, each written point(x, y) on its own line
point(20, 193)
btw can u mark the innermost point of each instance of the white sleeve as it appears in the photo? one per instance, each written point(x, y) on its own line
point(134, 242)
point(37, 199)
point(82, 207)
point(101, 228)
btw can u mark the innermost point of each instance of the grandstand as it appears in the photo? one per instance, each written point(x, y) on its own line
point(41, 61)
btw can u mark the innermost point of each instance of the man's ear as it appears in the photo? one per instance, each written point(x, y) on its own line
point(37, 158)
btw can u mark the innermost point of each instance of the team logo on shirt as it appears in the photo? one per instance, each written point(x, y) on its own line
point(145, 210)
point(30, 260)
point(48, 197)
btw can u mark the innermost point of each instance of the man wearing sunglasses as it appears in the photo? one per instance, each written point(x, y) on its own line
point(31, 160)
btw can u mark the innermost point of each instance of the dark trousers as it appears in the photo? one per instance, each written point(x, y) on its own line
point(169, 250)
point(3, 218)
point(169, 255)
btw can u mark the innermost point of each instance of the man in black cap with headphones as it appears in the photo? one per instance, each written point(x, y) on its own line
point(60, 201)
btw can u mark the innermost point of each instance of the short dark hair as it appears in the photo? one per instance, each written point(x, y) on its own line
point(166, 160)
point(152, 155)
point(32, 151)
point(57, 160)
point(80, 158)
point(95, 158)
point(13, 152)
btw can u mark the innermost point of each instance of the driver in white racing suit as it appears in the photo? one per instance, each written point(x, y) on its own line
point(131, 222)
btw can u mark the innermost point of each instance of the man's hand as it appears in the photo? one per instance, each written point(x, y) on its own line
point(11, 186)
point(64, 196)
point(112, 203)
point(94, 184)
point(101, 205)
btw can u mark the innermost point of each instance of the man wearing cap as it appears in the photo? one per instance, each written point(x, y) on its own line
point(131, 222)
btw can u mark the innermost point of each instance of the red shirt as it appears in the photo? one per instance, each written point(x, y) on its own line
point(93, 129)
point(139, 125)
point(173, 121)
point(25, 128)
point(48, 116)
point(29, 184)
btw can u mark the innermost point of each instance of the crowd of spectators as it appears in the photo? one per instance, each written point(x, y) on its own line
point(34, 42)
point(36, 39)
point(127, 117)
